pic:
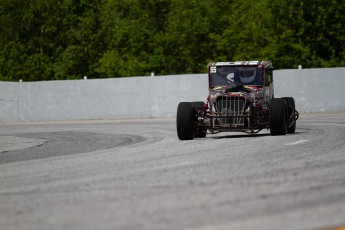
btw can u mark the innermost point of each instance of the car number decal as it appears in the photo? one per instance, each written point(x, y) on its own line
point(213, 69)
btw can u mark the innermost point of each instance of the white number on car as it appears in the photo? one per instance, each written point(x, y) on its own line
point(213, 69)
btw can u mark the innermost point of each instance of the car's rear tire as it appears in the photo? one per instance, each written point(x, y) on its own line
point(201, 131)
point(278, 116)
point(185, 121)
point(201, 134)
point(198, 105)
point(291, 112)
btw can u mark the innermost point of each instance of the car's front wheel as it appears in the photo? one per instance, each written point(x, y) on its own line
point(278, 116)
point(186, 121)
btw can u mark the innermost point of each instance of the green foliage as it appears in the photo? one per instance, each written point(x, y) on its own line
point(69, 39)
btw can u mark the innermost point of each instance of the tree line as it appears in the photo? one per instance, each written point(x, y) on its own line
point(69, 39)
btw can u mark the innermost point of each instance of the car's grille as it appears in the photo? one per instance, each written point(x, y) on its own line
point(230, 111)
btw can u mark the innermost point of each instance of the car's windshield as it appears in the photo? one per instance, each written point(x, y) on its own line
point(225, 75)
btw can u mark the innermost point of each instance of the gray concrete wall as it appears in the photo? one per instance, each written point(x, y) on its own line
point(138, 97)
point(314, 90)
point(135, 97)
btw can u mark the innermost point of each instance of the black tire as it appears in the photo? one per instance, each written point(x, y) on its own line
point(291, 112)
point(185, 121)
point(199, 106)
point(278, 116)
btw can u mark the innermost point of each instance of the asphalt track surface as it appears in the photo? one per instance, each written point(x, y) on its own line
point(136, 174)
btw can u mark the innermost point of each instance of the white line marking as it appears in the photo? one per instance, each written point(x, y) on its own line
point(297, 142)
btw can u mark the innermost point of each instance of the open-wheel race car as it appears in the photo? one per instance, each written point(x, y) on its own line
point(241, 99)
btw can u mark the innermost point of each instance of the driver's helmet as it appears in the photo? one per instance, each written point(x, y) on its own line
point(247, 75)
point(230, 77)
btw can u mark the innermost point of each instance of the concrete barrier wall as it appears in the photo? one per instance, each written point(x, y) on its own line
point(141, 97)
point(314, 90)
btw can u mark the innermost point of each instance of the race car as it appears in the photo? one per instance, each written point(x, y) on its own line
point(241, 98)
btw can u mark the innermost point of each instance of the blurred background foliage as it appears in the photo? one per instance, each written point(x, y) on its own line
point(70, 39)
